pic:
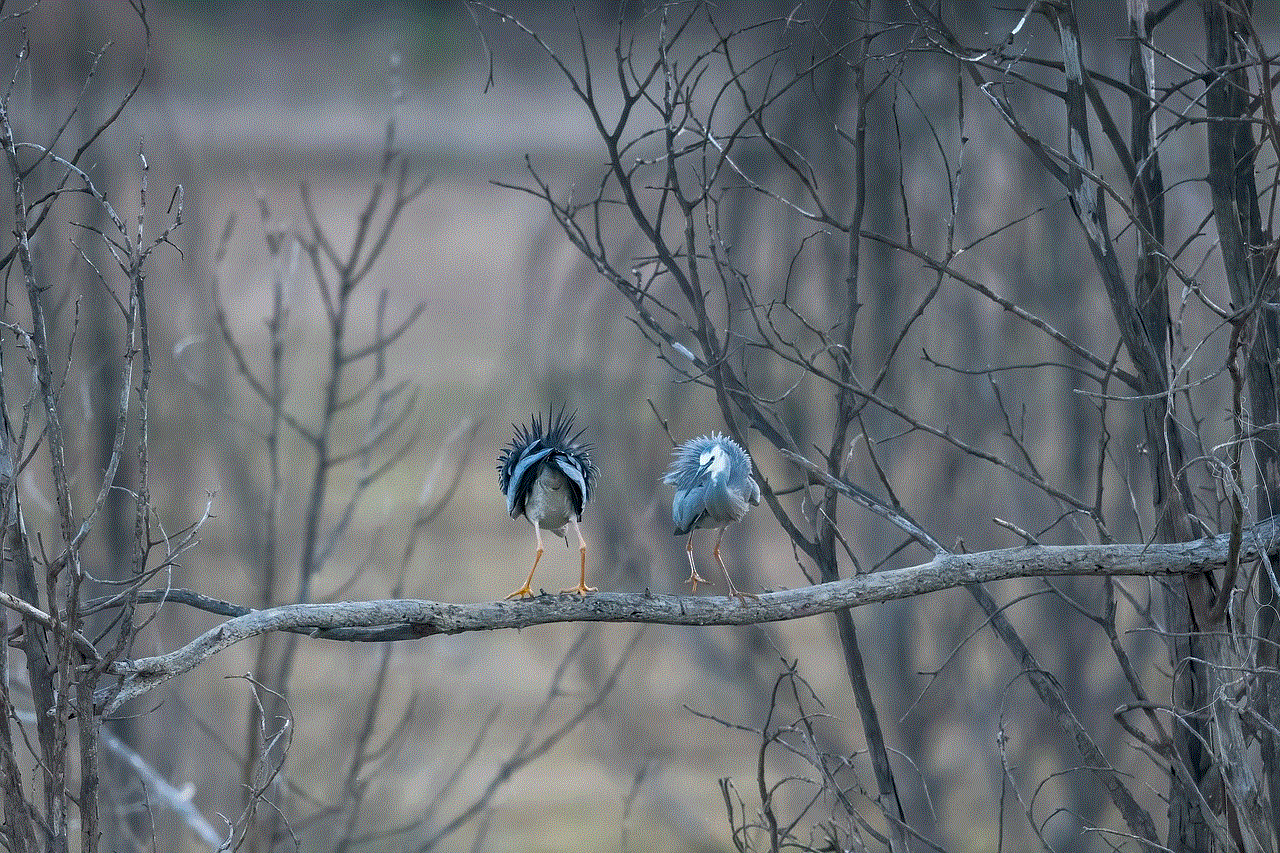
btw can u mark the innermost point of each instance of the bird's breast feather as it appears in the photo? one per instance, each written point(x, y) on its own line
point(686, 507)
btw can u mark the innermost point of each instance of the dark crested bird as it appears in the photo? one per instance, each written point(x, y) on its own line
point(714, 488)
point(547, 475)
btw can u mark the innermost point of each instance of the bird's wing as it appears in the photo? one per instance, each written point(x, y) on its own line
point(578, 476)
point(521, 480)
point(687, 505)
point(754, 497)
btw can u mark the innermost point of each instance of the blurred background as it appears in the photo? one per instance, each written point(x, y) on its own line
point(244, 102)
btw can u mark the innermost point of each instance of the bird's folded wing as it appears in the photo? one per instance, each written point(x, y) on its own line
point(573, 469)
point(522, 476)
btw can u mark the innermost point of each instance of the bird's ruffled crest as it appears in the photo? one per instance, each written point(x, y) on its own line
point(709, 492)
point(687, 458)
point(554, 442)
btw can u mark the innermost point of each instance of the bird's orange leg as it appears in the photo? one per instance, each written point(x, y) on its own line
point(694, 577)
point(524, 590)
point(581, 588)
point(733, 590)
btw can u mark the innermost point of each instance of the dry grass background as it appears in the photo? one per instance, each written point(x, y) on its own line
point(255, 98)
point(463, 249)
point(501, 303)
point(466, 352)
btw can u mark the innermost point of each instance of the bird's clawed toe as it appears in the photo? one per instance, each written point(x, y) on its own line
point(695, 579)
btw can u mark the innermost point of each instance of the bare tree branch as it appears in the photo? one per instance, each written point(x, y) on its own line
point(426, 618)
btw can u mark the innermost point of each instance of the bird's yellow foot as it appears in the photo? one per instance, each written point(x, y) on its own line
point(695, 579)
point(581, 588)
point(522, 592)
point(743, 596)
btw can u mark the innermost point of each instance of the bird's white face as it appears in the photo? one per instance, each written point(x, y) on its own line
point(716, 463)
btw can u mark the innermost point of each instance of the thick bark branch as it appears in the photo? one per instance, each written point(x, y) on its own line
point(419, 618)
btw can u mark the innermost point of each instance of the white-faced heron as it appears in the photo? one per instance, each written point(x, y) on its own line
point(714, 488)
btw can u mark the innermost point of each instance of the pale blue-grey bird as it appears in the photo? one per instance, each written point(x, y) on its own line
point(714, 488)
point(547, 477)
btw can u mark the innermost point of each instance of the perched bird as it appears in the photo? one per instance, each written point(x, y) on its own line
point(547, 477)
point(714, 488)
